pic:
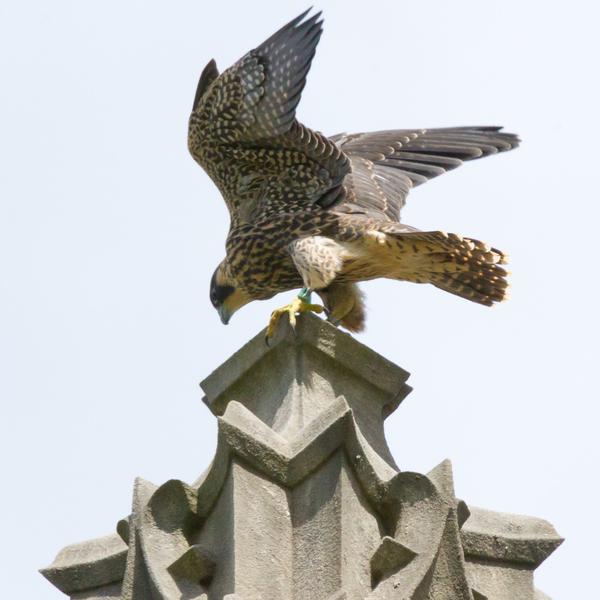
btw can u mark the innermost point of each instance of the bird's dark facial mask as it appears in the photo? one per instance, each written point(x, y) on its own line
point(218, 297)
point(226, 298)
point(219, 293)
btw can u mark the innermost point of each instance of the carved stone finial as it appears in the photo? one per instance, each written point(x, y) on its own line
point(303, 499)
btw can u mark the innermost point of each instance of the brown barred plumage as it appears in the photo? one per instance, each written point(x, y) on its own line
point(308, 210)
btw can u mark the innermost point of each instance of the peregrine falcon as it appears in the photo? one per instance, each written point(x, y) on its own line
point(323, 213)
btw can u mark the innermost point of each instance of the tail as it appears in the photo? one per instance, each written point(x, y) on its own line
point(462, 266)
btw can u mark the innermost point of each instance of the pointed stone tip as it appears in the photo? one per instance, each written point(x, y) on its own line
point(142, 491)
point(443, 479)
point(462, 513)
point(141, 485)
point(311, 334)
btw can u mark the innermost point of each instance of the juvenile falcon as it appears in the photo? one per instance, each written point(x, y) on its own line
point(323, 213)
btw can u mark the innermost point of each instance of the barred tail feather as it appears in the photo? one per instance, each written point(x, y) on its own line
point(462, 266)
point(481, 288)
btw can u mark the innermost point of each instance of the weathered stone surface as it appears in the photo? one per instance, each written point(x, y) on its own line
point(303, 499)
point(390, 557)
point(194, 564)
point(502, 551)
point(510, 538)
point(88, 565)
point(108, 592)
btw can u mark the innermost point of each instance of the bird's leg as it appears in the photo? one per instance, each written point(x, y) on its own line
point(305, 294)
point(300, 304)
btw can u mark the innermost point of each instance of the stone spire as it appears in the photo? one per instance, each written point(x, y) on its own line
point(303, 499)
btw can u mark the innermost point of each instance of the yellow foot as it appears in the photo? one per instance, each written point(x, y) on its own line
point(297, 305)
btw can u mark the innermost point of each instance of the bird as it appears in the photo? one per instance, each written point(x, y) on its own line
point(322, 214)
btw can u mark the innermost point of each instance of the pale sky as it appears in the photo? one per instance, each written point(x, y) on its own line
point(109, 233)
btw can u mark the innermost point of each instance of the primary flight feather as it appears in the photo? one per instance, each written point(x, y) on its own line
point(323, 213)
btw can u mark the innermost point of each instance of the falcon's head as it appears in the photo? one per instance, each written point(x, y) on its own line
point(225, 296)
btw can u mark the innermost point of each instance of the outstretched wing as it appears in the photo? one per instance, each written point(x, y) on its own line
point(244, 132)
point(386, 165)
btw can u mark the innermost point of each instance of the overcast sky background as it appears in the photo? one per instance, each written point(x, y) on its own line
point(109, 233)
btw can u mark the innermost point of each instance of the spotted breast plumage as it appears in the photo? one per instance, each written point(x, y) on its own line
point(323, 213)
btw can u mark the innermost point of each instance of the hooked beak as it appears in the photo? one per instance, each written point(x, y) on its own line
point(224, 314)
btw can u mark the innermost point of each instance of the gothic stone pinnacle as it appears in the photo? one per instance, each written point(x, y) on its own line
point(303, 499)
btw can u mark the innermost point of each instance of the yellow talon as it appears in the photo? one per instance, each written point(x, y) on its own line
point(296, 306)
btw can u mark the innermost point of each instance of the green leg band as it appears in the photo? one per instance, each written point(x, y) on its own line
point(305, 295)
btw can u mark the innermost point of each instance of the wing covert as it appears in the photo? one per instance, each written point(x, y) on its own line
point(244, 132)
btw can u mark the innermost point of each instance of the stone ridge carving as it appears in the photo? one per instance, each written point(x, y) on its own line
point(303, 499)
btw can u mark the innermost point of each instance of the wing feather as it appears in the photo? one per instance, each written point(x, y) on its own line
point(390, 163)
point(243, 130)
